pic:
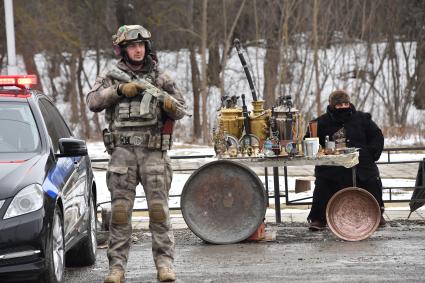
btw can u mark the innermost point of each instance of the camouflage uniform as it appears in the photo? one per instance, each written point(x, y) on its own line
point(138, 154)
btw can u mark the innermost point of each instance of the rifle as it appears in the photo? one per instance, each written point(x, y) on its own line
point(237, 44)
point(149, 91)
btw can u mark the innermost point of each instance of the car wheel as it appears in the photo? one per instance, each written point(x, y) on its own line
point(55, 250)
point(84, 253)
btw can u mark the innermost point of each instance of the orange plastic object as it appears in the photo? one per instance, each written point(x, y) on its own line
point(259, 234)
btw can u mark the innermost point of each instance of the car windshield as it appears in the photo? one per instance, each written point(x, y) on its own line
point(18, 131)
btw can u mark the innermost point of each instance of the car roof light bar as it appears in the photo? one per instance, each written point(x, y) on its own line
point(23, 82)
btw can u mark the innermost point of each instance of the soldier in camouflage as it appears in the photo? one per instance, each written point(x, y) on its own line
point(139, 135)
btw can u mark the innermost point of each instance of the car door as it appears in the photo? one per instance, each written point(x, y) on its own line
point(73, 169)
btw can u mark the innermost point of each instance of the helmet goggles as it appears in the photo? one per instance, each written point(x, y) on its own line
point(137, 33)
point(127, 34)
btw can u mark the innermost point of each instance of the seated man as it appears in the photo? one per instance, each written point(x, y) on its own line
point(346, 126)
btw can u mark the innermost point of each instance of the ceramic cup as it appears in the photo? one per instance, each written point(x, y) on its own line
point(311, 147)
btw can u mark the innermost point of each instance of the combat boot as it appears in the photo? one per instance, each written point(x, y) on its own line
point(116, 275)
point(166, 274)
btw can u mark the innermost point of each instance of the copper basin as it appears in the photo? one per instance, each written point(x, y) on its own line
point(353, 214)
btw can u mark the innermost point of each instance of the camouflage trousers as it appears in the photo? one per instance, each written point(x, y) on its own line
point(127, 168)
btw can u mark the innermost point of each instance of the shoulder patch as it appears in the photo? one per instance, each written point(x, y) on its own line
point(164, 74)
point(164, 80)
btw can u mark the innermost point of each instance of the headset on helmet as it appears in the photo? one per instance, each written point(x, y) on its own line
point(131, 33)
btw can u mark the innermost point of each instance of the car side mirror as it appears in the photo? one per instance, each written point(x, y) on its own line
point(69, 147)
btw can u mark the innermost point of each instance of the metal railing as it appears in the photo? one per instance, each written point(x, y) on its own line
point(388, 151)
point(303, 201)
point(98, 160)
point(276, 195)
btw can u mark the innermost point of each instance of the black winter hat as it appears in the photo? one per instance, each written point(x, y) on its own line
point(338, 96)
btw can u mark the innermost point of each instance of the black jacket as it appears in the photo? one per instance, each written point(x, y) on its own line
point(361, 132)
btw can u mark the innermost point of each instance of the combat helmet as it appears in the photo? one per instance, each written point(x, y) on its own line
point(131, 33)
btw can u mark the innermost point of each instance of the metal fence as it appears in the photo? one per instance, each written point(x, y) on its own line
point(404, 149)
point(387, 151)
point(102, 160)
point(277, 195)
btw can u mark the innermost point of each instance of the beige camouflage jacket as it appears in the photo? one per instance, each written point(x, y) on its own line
point(104, 95)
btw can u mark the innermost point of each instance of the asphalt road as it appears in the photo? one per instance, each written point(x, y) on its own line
point(395, 253)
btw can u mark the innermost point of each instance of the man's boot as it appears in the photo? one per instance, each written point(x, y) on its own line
point(166, 274)
point(115, 275)
point(316, 225)
point(382, 222)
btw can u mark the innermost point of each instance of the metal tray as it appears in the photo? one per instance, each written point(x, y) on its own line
point(353, 214)
point(223, 202)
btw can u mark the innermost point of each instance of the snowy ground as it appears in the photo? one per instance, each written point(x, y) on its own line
point(96, 150)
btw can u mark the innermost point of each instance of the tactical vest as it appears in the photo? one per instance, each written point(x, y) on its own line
point(137, 121)
point(139, 111)
point(136, 112)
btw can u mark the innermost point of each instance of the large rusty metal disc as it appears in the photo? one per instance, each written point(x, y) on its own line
point(353, 214)
point(223, 202)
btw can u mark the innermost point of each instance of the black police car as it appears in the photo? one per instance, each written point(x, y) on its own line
point(47, 189)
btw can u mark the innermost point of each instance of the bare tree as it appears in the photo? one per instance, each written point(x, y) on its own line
point(375, 49)
point(196, 76)
point(204, 76)
point(316, 57)
point(228, 44)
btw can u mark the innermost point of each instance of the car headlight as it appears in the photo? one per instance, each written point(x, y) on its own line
point(29, 199)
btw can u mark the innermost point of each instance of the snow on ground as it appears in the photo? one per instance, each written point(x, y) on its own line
point(96, 150)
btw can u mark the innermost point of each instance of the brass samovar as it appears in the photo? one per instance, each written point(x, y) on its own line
point(231, 121)
point(289, 128)
point(259, 120)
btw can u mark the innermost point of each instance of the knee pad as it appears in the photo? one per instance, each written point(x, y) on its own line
point(157, 213)
point(120, 214)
